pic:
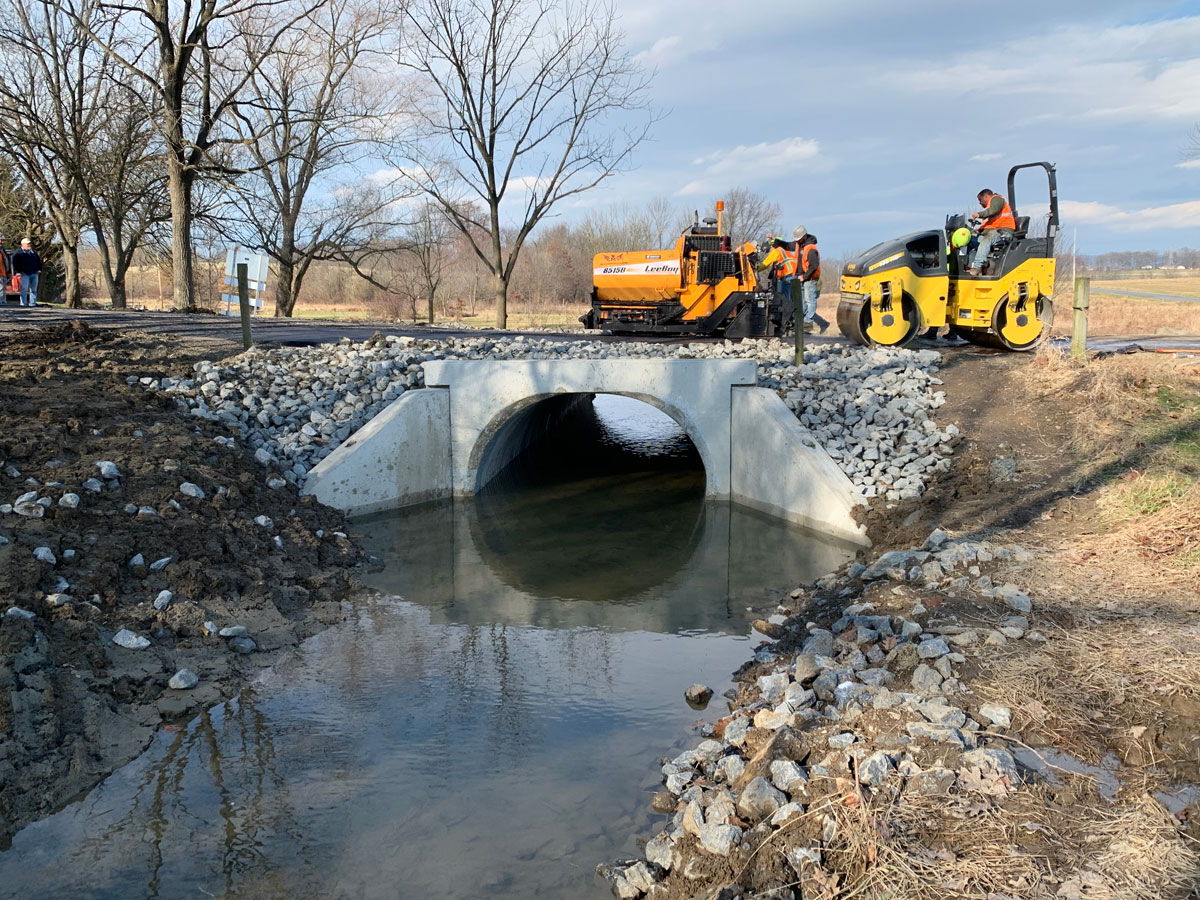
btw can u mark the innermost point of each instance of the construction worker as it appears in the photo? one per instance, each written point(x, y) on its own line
point(959, 239)
point(996, 220)
point(783, 261)
point(809, 275)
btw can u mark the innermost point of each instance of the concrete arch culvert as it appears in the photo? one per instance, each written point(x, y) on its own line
point(442, 441)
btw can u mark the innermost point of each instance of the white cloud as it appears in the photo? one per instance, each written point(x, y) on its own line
point(528, 184)
point(1126, 73)
point(1189, 164)
point(665, 52)
point(755, 162)
point(1176, 215)
point(985, 157)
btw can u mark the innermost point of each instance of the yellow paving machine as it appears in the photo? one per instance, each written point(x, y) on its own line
point(703, 286)
point(897, 289)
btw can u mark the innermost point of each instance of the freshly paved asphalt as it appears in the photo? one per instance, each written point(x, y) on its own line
point(306, 332)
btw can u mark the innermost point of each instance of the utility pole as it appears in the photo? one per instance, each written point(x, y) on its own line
point(1074, 245)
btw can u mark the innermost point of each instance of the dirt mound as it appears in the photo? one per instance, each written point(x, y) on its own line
point(86, 550)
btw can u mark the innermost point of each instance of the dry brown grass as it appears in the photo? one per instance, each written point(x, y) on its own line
point(1158, 529)
point(1142, 435)
point(1116, 391)
point(1110, 314)
point(1027, 845)
point(1081, 689)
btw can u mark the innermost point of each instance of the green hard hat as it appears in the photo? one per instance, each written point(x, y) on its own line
point(961, 237)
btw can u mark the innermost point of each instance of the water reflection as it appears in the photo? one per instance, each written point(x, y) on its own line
point(664, 563)
point(495, 734)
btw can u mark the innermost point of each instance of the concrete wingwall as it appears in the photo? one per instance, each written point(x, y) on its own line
point(399, 458)
point(777, 467)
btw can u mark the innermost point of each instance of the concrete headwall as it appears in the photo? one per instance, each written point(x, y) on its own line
point(400, 457)
point(777, 467)
point(485, 395)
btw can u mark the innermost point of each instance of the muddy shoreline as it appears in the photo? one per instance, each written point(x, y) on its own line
point(181, 535)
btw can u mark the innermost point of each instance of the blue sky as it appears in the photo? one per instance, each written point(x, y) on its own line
point(868, 119)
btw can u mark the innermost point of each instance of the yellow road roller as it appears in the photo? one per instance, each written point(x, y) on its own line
point(897, 289)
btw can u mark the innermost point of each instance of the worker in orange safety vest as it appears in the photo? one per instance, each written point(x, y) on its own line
point(996, 221)
point(783, 259)
point(809, 275)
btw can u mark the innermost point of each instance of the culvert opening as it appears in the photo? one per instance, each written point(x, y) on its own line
point(607, 482)
point(589, 439)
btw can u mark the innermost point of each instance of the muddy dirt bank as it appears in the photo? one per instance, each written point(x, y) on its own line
point(118, 512)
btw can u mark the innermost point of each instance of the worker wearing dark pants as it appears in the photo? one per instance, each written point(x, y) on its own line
point(783, 261)
point(809, 275)
point(996, 221)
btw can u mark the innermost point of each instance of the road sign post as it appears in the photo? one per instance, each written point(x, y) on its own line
point(243, 281)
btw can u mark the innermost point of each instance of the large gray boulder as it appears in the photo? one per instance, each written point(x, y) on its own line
point(759, 799)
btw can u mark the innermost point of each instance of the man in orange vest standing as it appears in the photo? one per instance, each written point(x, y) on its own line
point(809, 274)
point(996, 221)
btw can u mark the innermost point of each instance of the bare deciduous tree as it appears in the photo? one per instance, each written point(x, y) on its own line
point(81, 132)
point(665, 218)
point(125, 189)
point(531, 102)
point(425, 240)
point(748, 215)
point(309, 118)
point(184, 56)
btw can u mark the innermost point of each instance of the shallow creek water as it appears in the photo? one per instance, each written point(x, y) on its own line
point(489, 726)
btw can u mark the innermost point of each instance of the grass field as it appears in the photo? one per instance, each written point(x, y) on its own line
point(1111, 314)
point(1185, 284)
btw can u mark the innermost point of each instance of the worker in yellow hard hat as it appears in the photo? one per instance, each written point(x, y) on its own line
point(959, 238)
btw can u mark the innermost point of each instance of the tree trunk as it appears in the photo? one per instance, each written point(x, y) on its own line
point(115, 287)
point(287, 287)
point(430, 299)
point(71, 296)
point(118, 292)
point(498, 269)
point(285, 296)
point(501, 301)
point(179, 186)
point(114, 276)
